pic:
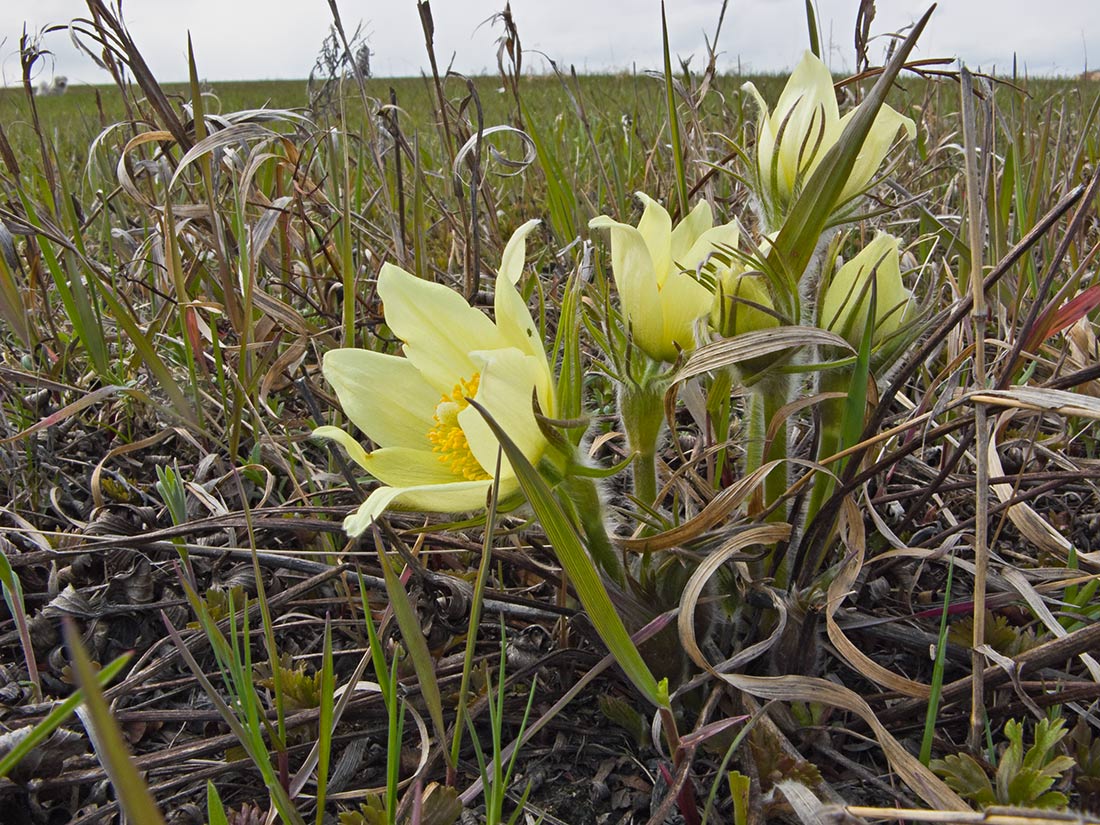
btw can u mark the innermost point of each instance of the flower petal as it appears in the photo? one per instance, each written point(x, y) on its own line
point(395, 466)
point(515, 252)
point(727, 235)
point(879, 140)
point(456, 497)
point(354, 449)
point(406, 467)
point(733, 313)
point(846, 302)
point(684, 301)
point(632, 267)
point(688, 231)
point(363, 381)
point(517, 327)
point(513, 318)
point(655, 228)
point(437, 325)
point(807, 114)
point(765, 136)
point(507, 380)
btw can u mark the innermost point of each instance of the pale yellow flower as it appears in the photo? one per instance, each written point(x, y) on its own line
point(742, 302)
point(655, 270)
point(847, 299)
point(793, 140)
point(435, 452)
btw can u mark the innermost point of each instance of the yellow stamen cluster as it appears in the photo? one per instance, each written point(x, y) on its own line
point(447, 436)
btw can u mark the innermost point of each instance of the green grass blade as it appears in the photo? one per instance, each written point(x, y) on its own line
point(570, 387)
point(855, 406)
point(215, 810)
point(811, 26)
point(483, 570)
point(937, 670)
point(13, 308)
point(13, 597)
point(57, 717)
point(674, 120)
point(378, 658)
point(132, 792)
point(238, 678)
point(324, 737)
point(415, 644)
point(149, 355)
point(78, 307)
point(560, 199)
point(578, 566)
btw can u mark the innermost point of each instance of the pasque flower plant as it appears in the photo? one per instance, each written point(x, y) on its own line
point(792, 140)
point(663, 293)
point(435, 452)
point(867, 291)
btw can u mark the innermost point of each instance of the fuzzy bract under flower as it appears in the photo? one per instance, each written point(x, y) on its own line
point(435, 452)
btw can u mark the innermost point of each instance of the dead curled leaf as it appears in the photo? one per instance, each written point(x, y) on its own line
point(930, 788)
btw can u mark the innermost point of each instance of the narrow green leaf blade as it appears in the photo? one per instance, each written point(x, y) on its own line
point(578, 566)
point(56, 717)
point(324, 736)
point(215, 810)
point(413, 637)
point(811, 25)
point(133, 794)
point(674, 120)
point(855, 409)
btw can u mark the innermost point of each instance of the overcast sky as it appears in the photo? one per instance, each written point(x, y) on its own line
point(254, 39)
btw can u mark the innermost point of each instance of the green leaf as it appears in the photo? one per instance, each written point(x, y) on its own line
point(324, 736)
point(1047, 736)
point(855, 410)
point(963, 774)
point(674, 120)
point(13, 597)
point(739, 791)
point(215, 810)
point(1026, 786)
point(561, 200)
point(578, 565)
point(413, 638)
point(811, 25)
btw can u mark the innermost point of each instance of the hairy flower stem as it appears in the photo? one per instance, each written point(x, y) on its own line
point(832, 422)
point(765, 401)
point(645, 477)
point(642, 411)
point(587, 510)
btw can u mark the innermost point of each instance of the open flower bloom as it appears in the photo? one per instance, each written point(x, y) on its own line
point(655, 269)
point(435, 451)
point(847, 299)
point(793, 140)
